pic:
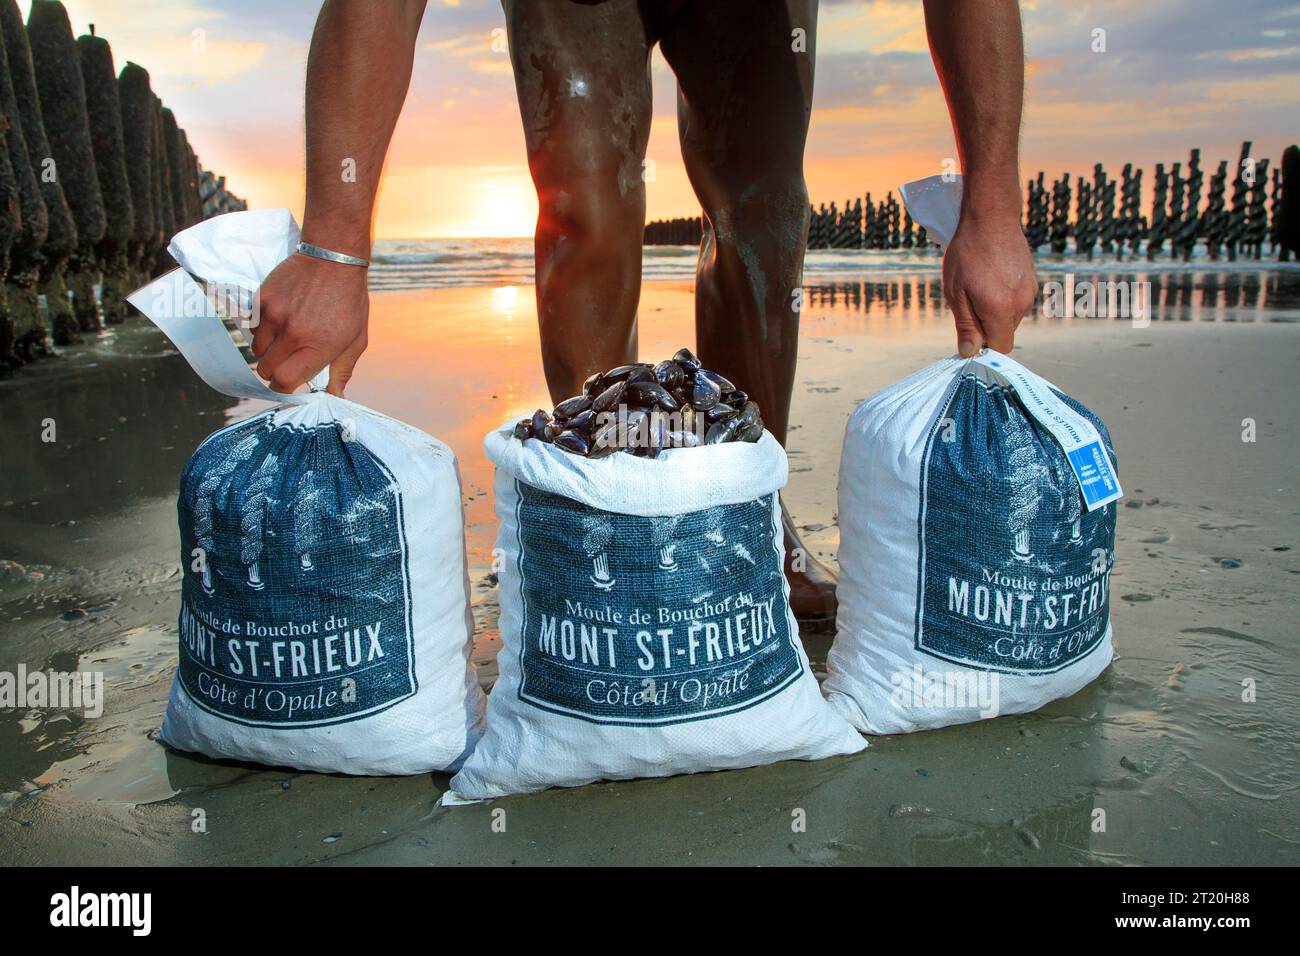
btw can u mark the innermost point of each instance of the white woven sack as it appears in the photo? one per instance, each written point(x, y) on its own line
point(645, 621)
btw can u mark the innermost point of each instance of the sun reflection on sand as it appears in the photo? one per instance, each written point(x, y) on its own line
point(504, 300)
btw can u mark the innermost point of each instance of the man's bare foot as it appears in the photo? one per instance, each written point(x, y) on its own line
point(812, 584)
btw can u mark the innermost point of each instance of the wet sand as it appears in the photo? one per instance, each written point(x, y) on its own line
point(1205, 598)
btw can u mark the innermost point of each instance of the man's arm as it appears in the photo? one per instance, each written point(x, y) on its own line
point(314, 313)
point(988, 272)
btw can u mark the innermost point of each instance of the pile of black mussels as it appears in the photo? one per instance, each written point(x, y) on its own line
point(643, 409)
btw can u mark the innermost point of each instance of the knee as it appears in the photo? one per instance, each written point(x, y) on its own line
point(589, 201)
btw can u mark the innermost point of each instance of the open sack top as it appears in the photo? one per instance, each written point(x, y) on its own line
point(678, 481)
point(232, 254)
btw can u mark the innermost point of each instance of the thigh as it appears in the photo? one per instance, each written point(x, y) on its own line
point(582, 76)
point(745, 82)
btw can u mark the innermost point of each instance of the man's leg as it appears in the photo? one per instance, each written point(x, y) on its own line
point(745, 79)
point(582, 74)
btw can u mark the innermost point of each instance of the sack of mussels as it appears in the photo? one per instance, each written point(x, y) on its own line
point(643, 409)
point(977, 536)
point(324, 620)
point(645, 619)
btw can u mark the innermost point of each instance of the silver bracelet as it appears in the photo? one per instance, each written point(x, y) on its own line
point(329, 255)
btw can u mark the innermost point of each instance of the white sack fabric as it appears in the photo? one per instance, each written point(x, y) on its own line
point(974, 578)
point(645, 621)
point(324, 620)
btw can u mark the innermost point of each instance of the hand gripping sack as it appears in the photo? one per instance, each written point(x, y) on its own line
point(974, 558)
point(645, 621)
point(324, 618)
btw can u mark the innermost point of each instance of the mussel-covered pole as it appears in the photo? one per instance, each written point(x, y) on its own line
point(22, 332)
point(10, 204)
point(1287, 211)
point(1175, 219)
point(135, 101)
point(1060, 214)
point(1214, 218)
point(63, 107)
point(175, 169)
point(1273, 245)
point(1236, 231)
point(1085, 224)
point(1126, 220)
point(18, 318)
point(1190, 227)
point(1256, 211)
point(1159, 202)
point(37, 265)
point(1102, 208)
point(193, 201)
point(162, 187)
point(105, 116)
point(1036, 214)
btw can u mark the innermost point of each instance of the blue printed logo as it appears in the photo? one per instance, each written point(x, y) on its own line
point(1094, 472)
point(295, 604)
point(1014, 572)
point(631, 620)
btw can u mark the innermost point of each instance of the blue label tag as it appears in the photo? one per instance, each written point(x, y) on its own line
point(1014, 573)
point(295, 605)
point(1096, 477)
point(631, 620)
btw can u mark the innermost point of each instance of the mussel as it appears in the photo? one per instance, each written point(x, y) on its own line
point(669, 374)
point(645, 410)
point(724, 385)
point(722, 431)
point(620, 373)
point(650, 395)
point(687, 360)
point(609, 397)
point(720, 411)
point(572, 441)
point(705, 392)
point(571, 406)
point(540, 422)
point(580, 422)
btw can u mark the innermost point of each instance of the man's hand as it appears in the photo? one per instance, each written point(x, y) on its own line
point(988, 282)
point(311, 314)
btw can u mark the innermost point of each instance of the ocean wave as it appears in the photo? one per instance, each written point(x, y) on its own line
point(444, 263)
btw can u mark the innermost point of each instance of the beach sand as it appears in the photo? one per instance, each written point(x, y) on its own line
point(1183, 769)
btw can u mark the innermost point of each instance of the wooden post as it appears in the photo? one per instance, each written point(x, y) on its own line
point(63, 109)
point(104, 112)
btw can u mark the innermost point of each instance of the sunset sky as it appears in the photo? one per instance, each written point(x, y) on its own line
point(1175, 74)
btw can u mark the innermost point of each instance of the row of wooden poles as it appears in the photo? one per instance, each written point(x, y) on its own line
point(1102, 214)
point(95, 177)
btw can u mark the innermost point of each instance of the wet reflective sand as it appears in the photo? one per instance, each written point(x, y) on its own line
point(1182, 768)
